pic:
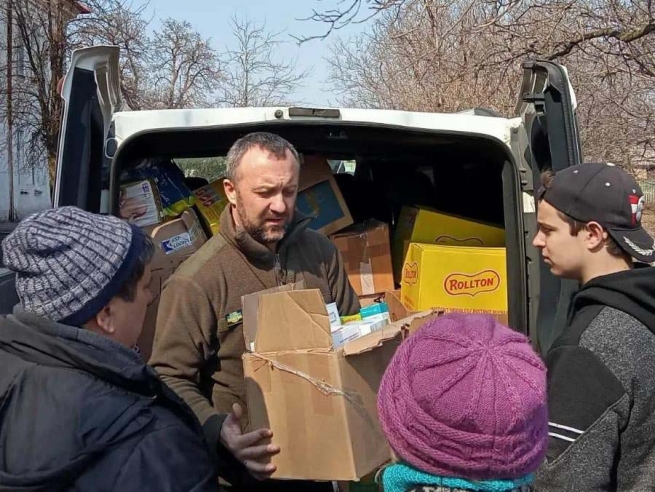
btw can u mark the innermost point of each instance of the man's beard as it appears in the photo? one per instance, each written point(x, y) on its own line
point(262, 233)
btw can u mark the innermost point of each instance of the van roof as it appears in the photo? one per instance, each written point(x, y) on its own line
point(129, 123)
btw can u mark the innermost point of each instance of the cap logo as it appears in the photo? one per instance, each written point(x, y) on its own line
point(637, 208)
point(637, 249)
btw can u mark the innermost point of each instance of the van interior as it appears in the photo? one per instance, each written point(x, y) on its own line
point(460, 174)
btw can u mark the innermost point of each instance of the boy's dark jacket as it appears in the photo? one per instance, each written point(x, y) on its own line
point(601, 386)
point(79, 412)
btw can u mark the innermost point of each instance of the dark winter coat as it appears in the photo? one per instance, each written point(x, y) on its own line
point(79, 412)
point(601, 385)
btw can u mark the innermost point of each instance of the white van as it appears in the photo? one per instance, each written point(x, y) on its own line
point(475, 164)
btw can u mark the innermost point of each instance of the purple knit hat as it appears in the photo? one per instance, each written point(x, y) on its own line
point(466, 397)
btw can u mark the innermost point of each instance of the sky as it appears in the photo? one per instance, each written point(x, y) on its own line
point(212, 19)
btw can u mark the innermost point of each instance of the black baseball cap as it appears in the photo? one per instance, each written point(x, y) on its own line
point(603, 193)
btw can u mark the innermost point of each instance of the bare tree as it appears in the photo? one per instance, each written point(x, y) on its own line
point(183, 70)
point(448, 55)
point(174, 68)
point(35, 47)
point(117, 23)
point(253, 75)
point(346, 12)
point(40, 35)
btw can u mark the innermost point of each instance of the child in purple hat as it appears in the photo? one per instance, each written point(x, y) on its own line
point(463, 405)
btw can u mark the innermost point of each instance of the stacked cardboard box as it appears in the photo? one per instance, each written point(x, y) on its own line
point(426, 226)
point(450, 263)
point(175, 241)
point(211, 201)
point(320, 196)
point(366, 252)
point(163, 206)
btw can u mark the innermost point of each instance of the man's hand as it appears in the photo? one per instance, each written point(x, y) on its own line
point(249, 448)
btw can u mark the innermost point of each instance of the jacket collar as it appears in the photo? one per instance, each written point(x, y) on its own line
point(48, 343)
point(254, 250)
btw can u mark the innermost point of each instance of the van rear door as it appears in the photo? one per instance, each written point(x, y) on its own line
point(91, 93)
point(547, 105)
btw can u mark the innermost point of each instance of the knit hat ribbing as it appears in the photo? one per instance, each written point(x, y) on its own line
point(466, 397)
point(70, 263)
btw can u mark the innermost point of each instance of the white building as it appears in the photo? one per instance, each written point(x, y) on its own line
point(31, 181)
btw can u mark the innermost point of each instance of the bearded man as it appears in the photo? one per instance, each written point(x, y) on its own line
point(263, 242)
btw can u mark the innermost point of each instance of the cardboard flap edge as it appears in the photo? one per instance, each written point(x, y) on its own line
point(299, 301)
point(250, 306)
point(389, 332)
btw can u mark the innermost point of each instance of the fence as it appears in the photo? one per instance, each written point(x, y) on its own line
point(648, 187)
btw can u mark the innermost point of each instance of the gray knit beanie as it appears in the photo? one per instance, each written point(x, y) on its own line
point(70, 263)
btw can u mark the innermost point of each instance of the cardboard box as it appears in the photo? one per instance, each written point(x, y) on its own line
point(346, 333)
point(319, 402)
point(370, 299)
point(174, 242)
point(397, 310)
point(139, 203)
point(452, 278)
point(366, 252)
point(427, 226)
point(320, 195)
point(211, 201)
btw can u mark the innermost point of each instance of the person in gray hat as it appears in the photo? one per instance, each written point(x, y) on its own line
point(78, 408)
point(601, 370)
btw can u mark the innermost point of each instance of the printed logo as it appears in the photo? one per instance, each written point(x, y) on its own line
point(176, 243)
point(460, 284)
point(208, 196)
point(234, 318)
point(410, 273)
point(467, 241)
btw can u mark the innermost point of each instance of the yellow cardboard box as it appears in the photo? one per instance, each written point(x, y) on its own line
point(211, 201)
point(427, 226)
point(454, 278)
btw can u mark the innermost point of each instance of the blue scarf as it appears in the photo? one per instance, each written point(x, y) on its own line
point(401, 478)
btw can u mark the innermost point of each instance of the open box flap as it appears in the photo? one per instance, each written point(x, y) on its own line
point(389, 332)
point(292, 320)
point(315, 169)
point(250, 305)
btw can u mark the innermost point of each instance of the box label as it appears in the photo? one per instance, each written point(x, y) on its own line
point(410, 273)
point(139, 205)
point(176, 243)
point(459, 284)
